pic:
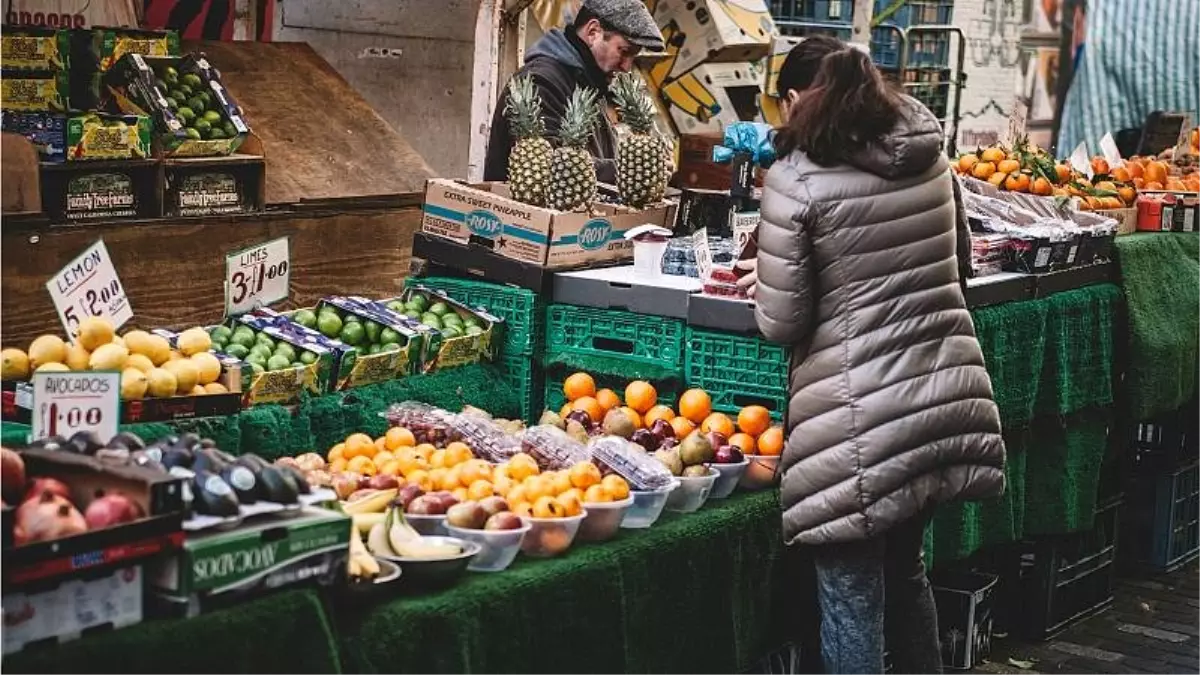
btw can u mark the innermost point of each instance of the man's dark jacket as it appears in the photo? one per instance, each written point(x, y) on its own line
point(559, 62)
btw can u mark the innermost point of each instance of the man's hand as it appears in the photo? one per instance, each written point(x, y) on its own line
point(749, 282)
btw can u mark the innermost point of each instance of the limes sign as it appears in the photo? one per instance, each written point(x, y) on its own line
point(89, 286)
point(67, 403)
point(257, 276)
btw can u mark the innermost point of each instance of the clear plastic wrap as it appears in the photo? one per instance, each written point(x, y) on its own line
point(427, 423)
point(484, 436)
point(553, 449)
point(639, 469)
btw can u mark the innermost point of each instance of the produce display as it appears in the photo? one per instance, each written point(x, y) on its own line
point(529, 161)
point(196, 105)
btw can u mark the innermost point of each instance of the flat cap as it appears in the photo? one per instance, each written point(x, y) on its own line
point(631, 19)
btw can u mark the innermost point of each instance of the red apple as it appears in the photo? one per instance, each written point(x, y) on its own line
point(728, 454)
point(505, 520)
point(383, 481)
point(493, 505)
point(426, 505)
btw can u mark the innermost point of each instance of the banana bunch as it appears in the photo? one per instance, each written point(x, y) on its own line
point(361, 565)
point(394, 537)
point(368, 501)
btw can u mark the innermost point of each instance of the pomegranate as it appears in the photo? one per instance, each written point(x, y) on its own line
point(111, 509)
point(52, 485)
point(47, 516)
point(12, 472)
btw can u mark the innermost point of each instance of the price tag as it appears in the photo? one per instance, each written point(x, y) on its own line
point(703, 254)
point(1018, 119)
point(1112, 155)
point(257, 276)
point(1080, 161)
point(88, 286)
point(66, 403)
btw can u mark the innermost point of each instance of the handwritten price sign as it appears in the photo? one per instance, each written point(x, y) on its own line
point(66, 403)
point(257, 276)
point(88, 286)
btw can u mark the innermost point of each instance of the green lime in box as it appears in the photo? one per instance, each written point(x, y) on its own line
point(386, 346)
point(457, 334)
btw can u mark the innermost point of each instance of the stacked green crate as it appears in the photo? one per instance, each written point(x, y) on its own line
point(737, 370)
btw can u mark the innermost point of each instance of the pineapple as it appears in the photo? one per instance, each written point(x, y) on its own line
point(641, 154)
point(572, 174)
point(529, 161)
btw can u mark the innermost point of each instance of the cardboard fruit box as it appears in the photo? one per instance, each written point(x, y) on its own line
point(34, 90)
point(457, 347)
point(50, 614)
point(35, 48)
point(100, 136)
point(367, 367)
point(219, 567)
point(160, 496)
point(288, 385)
point(710, 31)
point(485, 215)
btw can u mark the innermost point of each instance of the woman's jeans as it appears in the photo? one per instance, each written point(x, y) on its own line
point(871, 589)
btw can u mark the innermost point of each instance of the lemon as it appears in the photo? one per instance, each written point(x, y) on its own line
point(108, 357)
point(174, 355)
point(95, 331)
point(52, 367)
point(193, 341)
point(199, 390)
point(118, 340)
point(47, 349)
point(209, 365)
point(186, 373)
point(161, 383)
point(15, 364)
point(158, 349)
point(78, 357)
point(139, 342)
point(215, 388)
point(133, 384)
point(139, 361)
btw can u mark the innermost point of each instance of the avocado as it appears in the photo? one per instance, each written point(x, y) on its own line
point(297, 475)
point(212, 496)
point(243, 481)
point(207, 460)
point(85, 442)
point(129, 440)
point(178, 456)
point(278, 486)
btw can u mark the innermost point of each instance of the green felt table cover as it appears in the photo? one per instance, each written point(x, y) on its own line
point(288, 632)
point(1160, 276)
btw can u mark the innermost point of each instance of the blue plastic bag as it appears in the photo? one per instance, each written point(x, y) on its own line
point(749, 137)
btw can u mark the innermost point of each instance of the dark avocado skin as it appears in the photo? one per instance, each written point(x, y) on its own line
point(210, 503)
point(85, 442)
point(206, 460)
point(277, 486)
point(297, 476)
point(129, 440)
point(248, 496)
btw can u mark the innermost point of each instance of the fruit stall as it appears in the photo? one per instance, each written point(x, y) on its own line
point(553, 444)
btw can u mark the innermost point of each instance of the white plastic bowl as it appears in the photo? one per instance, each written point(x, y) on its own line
point(428, 525)
point(728, 480)
point(761, 472)
point(647, 507)
point(603, 519)
point(498, 547)
point(693, 492)
point(548, 537)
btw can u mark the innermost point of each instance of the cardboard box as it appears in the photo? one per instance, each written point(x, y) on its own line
point(620, 288)
point(102, 190)
point(288, 385)
point(67, 610)
point(781, 46)
point(358, 367)
point(35, 48)
point(226, 565)
point(485, 216)
point(100, 136)
point(46, 131)
point(713, 95)
point(1126, 219)
point(1168, 212)
point(715, 30)
point(440, 352)
point(35, 90)
point(208, 186)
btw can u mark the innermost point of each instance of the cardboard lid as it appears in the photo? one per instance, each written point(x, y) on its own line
point(644, 232)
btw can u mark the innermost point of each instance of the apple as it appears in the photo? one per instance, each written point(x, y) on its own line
point(505, 520)
point(662, 429)
point(345, 484)
point(364, 482)
point(383, 481)
point(646, 439)
point(728, 454)
point(467, 515)
point(716, 439)
point(582, 417)
point(426, 505)
point(447, 499)
point(493, 505)
point(407, 493)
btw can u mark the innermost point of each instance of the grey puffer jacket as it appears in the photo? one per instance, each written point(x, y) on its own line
point(890, 406)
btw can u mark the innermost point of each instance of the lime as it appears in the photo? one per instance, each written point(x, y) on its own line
point(206, 97)
point(329, 324)
point(202, 125)
point(215, 134)
point(353, 333)
point(170, 75)
point(186, 114)
point(284, 349)
point(307, 357)
point(351, 318)
point(173, 103)
point(256, 358)
point(264, 339)
point(257, 368)
point(432, 321)
point(278, 362)
point(472, 320)
point(389, 347)
point(474, 330)
point(439, 308)
point(413, 314)
point(452, 319)
point(196, 104)
point(185, 91)
point(193, 134)
point(373, 330)
point(397, 306)
point(261, 350)
point(389, 335)
point(229, 129)
point(191, 80)
point(306, 318)
point(243, 340)
point(451, 332)
point(237, 350)
point(213, 117)
point(418, 301)
point(373, 349)
point(221, 334)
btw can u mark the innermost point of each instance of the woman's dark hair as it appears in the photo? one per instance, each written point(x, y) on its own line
point(843, 103)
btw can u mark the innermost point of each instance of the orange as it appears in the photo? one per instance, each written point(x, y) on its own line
point(1008, 166)
point(596, 494)
point(1017, 182)
point(967, 162)
point(771, 442)
point(522, 466)
point(608, 399)
point(411, 461)
point(561, 482)
point(338, 465)
point(397, 437)
point(475, 470)
point(537, 486)
point(336, 452)
point(1156, 172)
point(460, 493)
point(993, 155)
point(615, 486)
point(634, 417)
point(362, 465)
point(426, 450)
point(1100, 166)
point(421, 479)
point(658, 412)
point(1121, 174)
point(743, 442)
point(753, 419)
point(451, 479)
point(579, 385)
point(682, 426)
point(695, 405)
point(572, 503)
point(501, 471)
point(1041, 186)
point(641, 396)
point(359, 445)
point(1176, 185)
point(437, 476)
point(379, 445)
point(1135, 169)
point(457, 453)
point(548, 507)
point(523, 509)
point(439, 459)
point(390, 467)
point(583, 475)
point(381, 458)
point(517, 494)
point(1139, 182)
point(479, 489)
point(502, 484)
point(590, 406)
point(1153, 185)
point(1063, 171)
point(998, 179)
point(718, 422)
point(983, 170)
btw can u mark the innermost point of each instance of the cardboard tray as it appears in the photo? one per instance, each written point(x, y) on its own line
point(713, 311)
point(619, 288)
point(159, 494)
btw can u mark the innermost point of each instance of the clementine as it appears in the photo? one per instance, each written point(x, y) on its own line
point(590, 406)
point(1121, 174)
point(358, 445)
point(615, 486)
point(523, 509)
point(479, 490)
point(967, 162)
point(1017, 182)
point(608, 399)
point(658, 412)
point(695, 405)
point(993, 155)
point(1100, 166)
point(596, 494)
point(572, 502)
point(743, 442)
point(754, 419)
point(1008, 166)
point(998, 179)
point(641, 396)
point(1063, 171)
point(983, 170)
point(362, 465)
point(682, 426)
point(583, 475)
point(1156, 172)
point(398, 437)
point(718, 422)
point(579, 385)
point(1041, 186)
point(771, 442)
point(336, 452)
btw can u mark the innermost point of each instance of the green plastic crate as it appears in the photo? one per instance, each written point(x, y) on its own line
point(521, 308)
point(654, 343)
point(525, 378)
point(737, 371)
point(668, 389)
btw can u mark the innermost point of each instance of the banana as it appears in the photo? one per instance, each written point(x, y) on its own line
point(371, 502)
point(370, 566)
point(353, 567)
point(377, 541)
point(416, 549)
point(407, 542)
point(363, 522)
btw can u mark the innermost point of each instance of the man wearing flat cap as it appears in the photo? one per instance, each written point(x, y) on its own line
point(602, 41)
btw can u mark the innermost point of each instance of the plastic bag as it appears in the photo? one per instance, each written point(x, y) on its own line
point(639, 469)
point(750, 137)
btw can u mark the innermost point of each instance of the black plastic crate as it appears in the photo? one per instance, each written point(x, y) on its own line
point(917, 12)
point(1164, 442)
point(965, 602)
point(1162, 521)
point(1064, 579)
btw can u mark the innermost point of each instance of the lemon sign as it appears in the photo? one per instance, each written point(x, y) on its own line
point(88, 287)
point(257, 276)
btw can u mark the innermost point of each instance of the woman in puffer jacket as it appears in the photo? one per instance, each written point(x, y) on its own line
point(890, 410)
